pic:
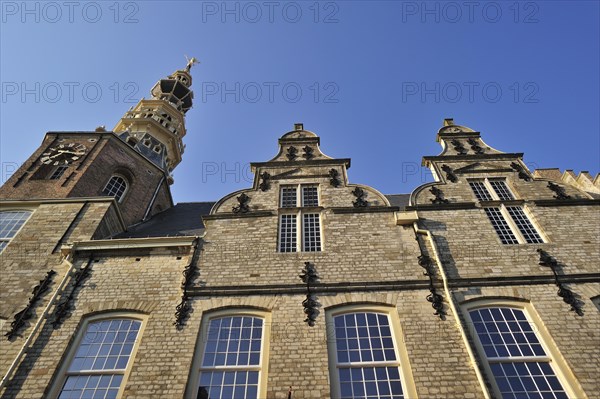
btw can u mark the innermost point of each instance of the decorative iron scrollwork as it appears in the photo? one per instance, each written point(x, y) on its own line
point(436, 300)
point(449, 173)
point(311, 304)
point(360, 195)
point(475, 146)
point(63, 308)
point(292, 153)
point(439, 196)
point(242, 207)
point(308, 152)
point(265, 184)
point(25, 314)
point(459, 147)
point(523, 175)
point(560, 191)
point(334, 178)
point(565, 293)
point(184, 308)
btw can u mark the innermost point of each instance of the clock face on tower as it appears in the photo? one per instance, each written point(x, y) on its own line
point(63, 154)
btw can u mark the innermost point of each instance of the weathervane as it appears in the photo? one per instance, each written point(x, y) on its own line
point(190, 62)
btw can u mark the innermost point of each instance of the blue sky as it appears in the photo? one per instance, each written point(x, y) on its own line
point(373, 79)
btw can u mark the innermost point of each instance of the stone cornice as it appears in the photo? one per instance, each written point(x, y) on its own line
point(231, 215)
point(366, 209)
point(472, 157)
point(312, 162)
point(441, 207)
point(567, 202)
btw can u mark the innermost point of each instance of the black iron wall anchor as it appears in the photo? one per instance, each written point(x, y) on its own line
point(436, 300)
point(560, 191)
point(565, 293)
point(292, 153)
point(459, 147)
point(242, 207)
point(334, 178)
point(265, 184)
point(360, 195)
point(308, 152)
point(449, 173)
point(311, 305)
point(439, 196)
point(475, 146)
point(62, 309)
point(184, 308)
point(523, 175)
point(25, 314)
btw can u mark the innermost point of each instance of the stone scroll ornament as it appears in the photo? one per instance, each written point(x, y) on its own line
point(559, 191)
point(63, 308)
point(449, 173)
point(184, 308)
point(21, 318)
point(334, 178)
point(523, 175)
point(292, 153)
point(308, 152)
point(311, 305)
point(439, 196)
point(242, 206)
point(459, 147)
point(475, 146)
point(436, 300)
point(360, 195)
point(265, 183)
point(565, 293)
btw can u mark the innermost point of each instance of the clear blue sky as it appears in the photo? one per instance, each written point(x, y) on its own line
point(376, 80)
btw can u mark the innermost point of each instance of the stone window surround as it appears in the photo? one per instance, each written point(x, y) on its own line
point(408, 387)
point(79, 333)
point(564, 374)
point(265, 315)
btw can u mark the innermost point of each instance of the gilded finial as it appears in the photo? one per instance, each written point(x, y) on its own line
point(190, 62)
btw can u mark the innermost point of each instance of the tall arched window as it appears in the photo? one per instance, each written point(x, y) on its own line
point(516, 356)
point(233, 361)
point(364, 358)
point(116, 187)
point(10, 224)
point(101, 359)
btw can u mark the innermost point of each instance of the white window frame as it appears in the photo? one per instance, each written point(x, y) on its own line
point(552, 354)
point(263, 368)
point(402, 361)
point(63, 372)
point(299, 211)
point(122, 197)
point(7, 240)
point(62, 168)
point(486, 181)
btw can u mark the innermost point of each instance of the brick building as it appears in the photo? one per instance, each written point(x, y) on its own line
point(482, 284)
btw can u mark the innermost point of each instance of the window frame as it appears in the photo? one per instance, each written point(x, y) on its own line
point(552, 354)
point(127, 184)
point(62, 168)
point(201, 342)
point(8, 240)
point(402, 360)
point(300, 211)
point(78, 335)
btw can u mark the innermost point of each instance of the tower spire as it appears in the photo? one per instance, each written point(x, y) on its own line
point(156, 127)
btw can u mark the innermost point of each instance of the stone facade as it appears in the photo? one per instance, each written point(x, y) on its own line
point(374, 250)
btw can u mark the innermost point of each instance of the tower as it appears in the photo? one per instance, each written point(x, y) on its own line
point(132, 164)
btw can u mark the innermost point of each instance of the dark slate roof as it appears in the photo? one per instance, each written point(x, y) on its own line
point(399, 200)
point(184, 219)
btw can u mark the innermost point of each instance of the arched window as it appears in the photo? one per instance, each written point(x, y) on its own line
point(516, 356)
point(100, 361)
point(364, 358)
point(233, 361)
point(10, 224)
point(116, 187)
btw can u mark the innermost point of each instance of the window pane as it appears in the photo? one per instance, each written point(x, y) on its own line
point(232, 336)
point(115, 187)
point(310, 196)
point(525, 226)
point(501, 190)
point(288, 197)
point(366, 337)
point(312, 232)
point(11, 222)
point(58, 172)
point(502, 228)
point(514, 340)
point(287, 233)
point(480, 191)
